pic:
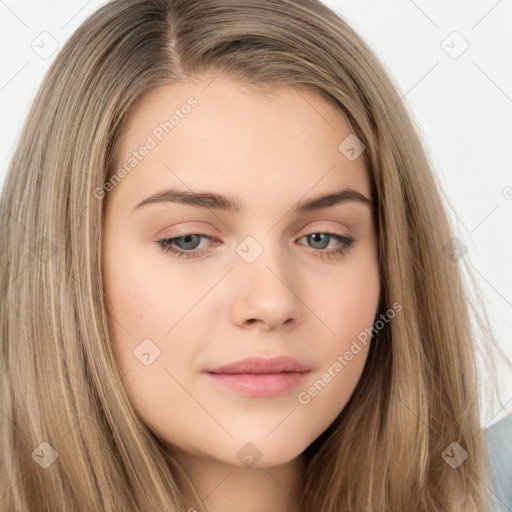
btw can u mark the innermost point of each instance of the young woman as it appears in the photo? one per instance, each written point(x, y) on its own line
point(229, 281)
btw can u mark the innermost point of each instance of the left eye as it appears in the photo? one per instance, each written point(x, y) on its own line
point(188, 244)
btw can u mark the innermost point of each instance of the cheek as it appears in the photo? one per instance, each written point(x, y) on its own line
point(159, 312)
point(347, 301)
point(344, 348)
point(153, 339)
point(347, 305)
point(146, 298)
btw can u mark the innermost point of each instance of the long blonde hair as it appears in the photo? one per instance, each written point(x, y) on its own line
point(61, 391)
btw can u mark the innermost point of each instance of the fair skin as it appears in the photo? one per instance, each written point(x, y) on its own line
point(269, 153)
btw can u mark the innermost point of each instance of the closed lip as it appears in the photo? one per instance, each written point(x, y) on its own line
point(257, 364)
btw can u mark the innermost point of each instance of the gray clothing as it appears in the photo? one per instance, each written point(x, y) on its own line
point(498, 438)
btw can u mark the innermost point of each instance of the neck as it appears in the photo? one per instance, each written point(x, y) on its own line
point(226, 488)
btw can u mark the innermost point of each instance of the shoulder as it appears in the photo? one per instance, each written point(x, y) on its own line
point(498, 439)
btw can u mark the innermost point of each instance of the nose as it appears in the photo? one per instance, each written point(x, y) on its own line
point(264, 293)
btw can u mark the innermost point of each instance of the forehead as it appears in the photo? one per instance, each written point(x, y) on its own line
point(224, 134)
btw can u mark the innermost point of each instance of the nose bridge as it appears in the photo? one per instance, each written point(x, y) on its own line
point(263, 286)
point(262, 254)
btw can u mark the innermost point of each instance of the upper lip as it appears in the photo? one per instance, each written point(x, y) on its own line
point(261, 365)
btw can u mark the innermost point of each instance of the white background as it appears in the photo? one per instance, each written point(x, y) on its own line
point(462, 107)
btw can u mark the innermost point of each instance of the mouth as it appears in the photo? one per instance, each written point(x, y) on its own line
point(260, 377)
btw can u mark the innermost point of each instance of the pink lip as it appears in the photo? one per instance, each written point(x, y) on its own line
point(262, 365)
point(260, 377)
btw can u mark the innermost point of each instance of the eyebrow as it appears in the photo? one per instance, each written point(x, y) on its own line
point(215, 201)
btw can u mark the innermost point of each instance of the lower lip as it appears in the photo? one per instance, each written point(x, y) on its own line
point(259, 384)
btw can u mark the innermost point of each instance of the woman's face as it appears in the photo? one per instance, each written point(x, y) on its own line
point(255, 273)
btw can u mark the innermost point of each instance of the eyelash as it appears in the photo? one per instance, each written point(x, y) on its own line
point(346, 240)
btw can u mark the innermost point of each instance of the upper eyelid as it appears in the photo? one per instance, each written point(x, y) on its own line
point(199, 231)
